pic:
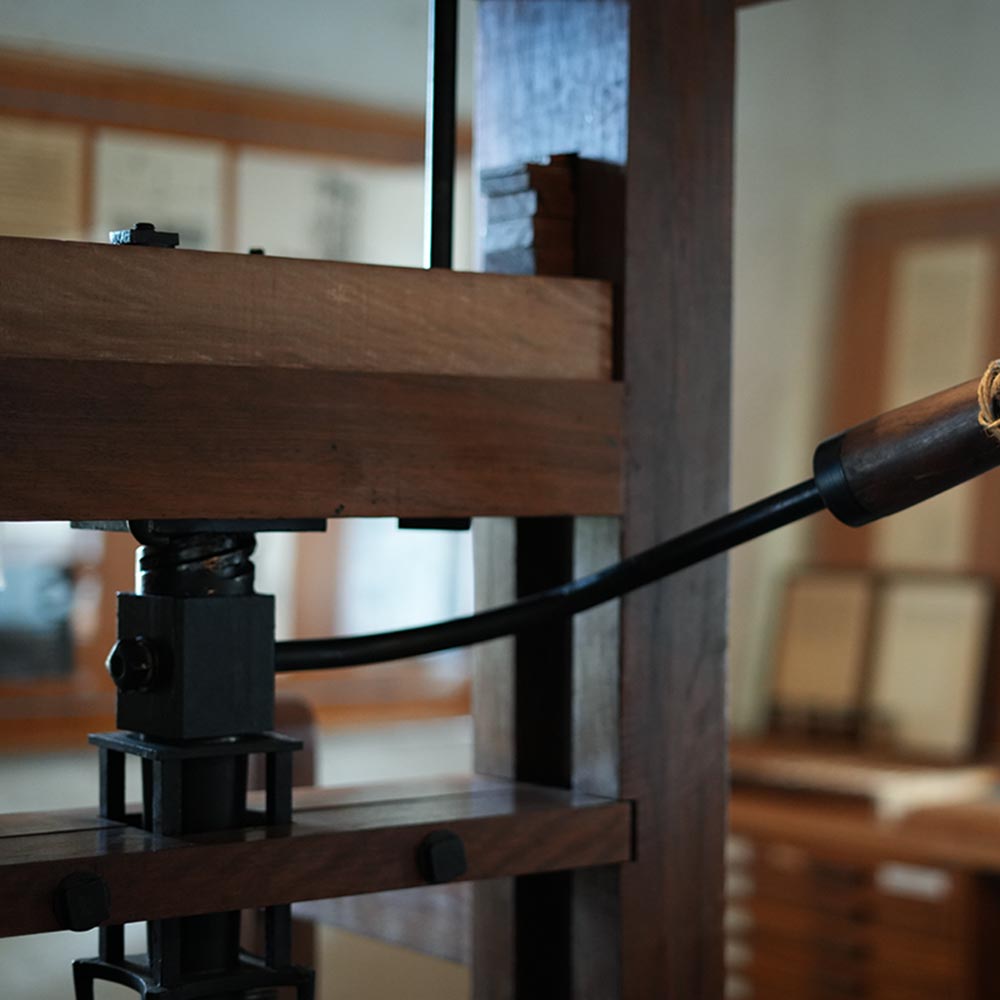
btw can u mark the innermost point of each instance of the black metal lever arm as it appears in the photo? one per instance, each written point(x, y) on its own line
point(877, 468)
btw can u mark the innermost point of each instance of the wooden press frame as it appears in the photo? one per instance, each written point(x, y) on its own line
point(615, 844)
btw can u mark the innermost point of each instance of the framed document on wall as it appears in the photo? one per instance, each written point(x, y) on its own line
point(919, 310)
point(928, 655)
point(822, 645)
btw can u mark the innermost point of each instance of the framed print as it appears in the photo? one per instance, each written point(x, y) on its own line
point(929, 652)
point(822, 643)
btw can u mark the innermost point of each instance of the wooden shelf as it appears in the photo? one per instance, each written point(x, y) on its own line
point(963, 837)
point(342, 842)
point(890, 786)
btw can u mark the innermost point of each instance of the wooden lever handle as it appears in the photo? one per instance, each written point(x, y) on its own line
point(905, 456)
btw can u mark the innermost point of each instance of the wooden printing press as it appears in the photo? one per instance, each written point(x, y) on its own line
point(578, 403)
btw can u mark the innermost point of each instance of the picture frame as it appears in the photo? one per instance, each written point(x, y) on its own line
point(822, 648)
point(929, 652)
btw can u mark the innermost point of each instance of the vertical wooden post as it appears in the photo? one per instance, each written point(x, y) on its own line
point(646, 704)
point(677, 372)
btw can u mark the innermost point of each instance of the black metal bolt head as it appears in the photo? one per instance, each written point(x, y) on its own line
point(132, 664)
point(143, 234)
point(82, 901)
point(441, 856)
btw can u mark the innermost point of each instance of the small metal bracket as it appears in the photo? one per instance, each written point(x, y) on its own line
point(143, 234)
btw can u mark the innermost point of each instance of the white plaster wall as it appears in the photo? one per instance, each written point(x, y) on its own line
point(836, 102)
point(370, 51)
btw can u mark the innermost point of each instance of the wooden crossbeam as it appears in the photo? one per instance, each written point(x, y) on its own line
point(90, 302)
point(342, 842)
point(151, 383)
point(105, 440)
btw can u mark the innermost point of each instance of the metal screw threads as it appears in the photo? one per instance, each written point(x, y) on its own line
point(206, 565)
point(132, 664)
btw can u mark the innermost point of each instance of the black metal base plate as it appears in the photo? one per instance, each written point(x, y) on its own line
point(252, 974)
point(227, 746)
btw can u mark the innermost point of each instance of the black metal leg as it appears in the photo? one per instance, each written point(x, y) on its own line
point(307, 988)
point(112, 943)
point(167, 797)
point(278, 936)
point(112, 765)
point(164, 943)
point(279, 788)
point(83, 982)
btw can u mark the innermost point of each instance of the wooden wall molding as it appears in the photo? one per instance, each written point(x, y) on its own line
point(92, 93)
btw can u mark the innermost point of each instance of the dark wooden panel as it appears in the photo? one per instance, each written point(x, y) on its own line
point(432, 919)
point(326, 852)
point(677, 374)
point(109, 440)
point(553, 934)
point(553, 80)
point(85, 301)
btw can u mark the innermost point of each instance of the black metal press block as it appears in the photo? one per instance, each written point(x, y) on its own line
point(191, 787)
point(194, 668)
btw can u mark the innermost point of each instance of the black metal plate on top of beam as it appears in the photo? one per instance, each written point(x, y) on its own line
point(133, 743)
point(194, 526)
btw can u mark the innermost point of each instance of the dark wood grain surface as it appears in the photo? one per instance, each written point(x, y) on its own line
point(552, 81)
point(108, 440)
point(345, 849)
point(432, 919)
point(677, 374)
point(914, 452)
point(88, 302)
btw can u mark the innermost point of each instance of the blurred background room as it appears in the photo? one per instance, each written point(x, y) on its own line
point(864, 661)
point(864, 674)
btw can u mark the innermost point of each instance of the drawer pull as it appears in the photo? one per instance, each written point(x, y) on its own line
point(914, 881)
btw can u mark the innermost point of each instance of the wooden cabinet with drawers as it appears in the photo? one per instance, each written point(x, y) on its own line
point(820, 925)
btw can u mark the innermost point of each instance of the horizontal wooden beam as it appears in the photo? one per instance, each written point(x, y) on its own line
point(109, 440)
point(141, 382)
point(342, 846)
point(94, 93)
point(91, 302)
